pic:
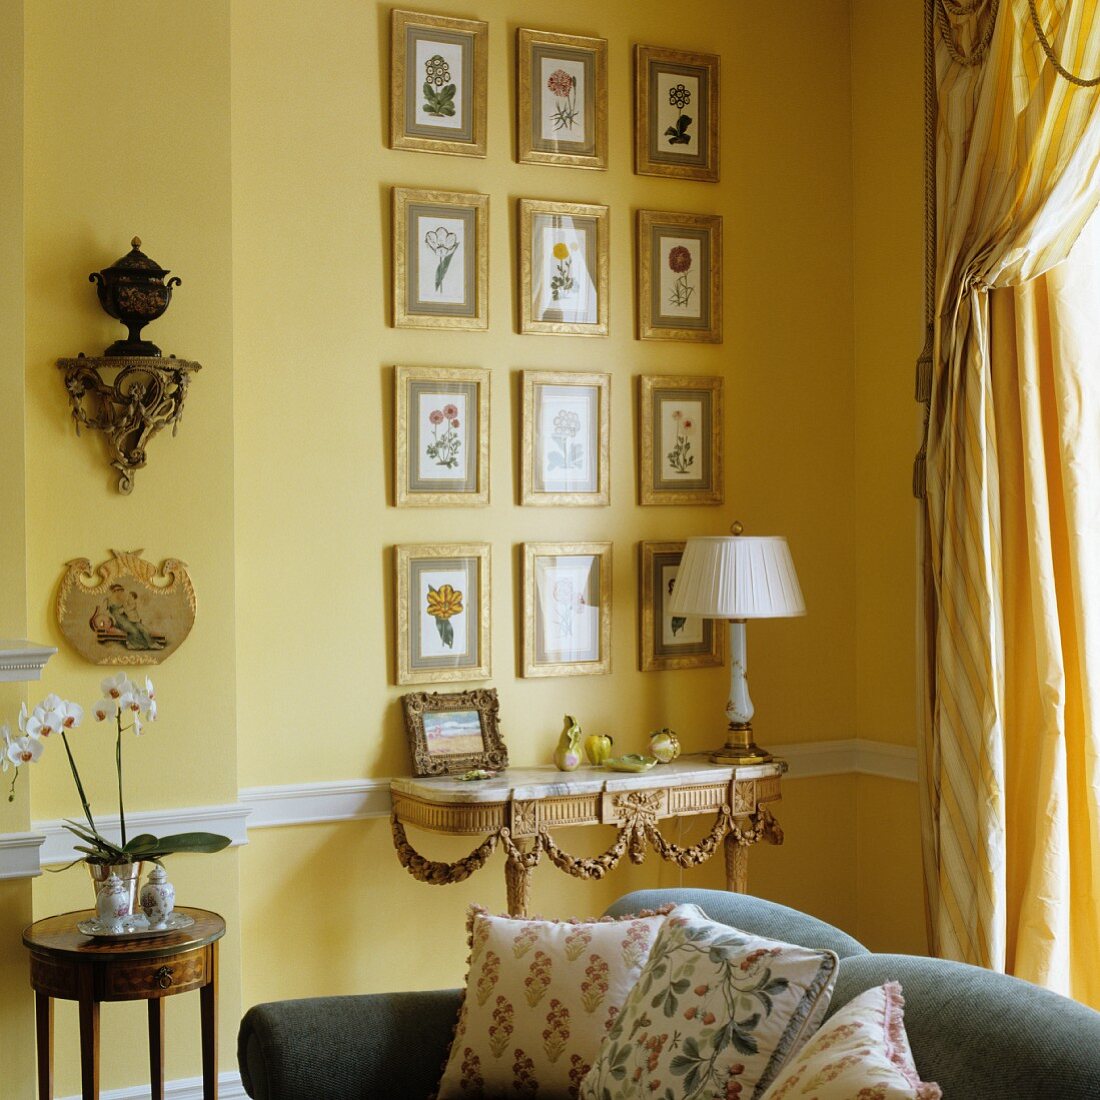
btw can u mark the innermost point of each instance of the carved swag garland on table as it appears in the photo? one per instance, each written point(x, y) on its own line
point(637, 813)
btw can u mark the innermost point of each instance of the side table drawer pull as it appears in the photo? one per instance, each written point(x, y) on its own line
point(163, 977)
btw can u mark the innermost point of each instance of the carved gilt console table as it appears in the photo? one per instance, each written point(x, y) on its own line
point(520, 808)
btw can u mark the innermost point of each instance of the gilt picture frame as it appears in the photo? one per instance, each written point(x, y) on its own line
point(566, 439)
point(680, 421)
point(561, 93)
point(667, 642)
point(676, 113)
point(441, 436)
point(440, 259)
point(680, 277)
point(443, 593)
point(564, 261)
point(439, 70)
point(566, 609)
point(454, 732)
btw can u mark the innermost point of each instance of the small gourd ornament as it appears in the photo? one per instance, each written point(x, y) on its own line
point(567, 755)
point(664, 744)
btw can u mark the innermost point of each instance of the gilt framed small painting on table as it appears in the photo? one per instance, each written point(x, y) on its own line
point(438, 83)
point(566, 438)
point(455, 732)
point(563, 252)
point(440, 259)
point(676, 113)
point(443, 631)
point(566, 608)
point(672, 641)
point(681, 440)
point(680, 277)
point(562, 99)
point(441, 433)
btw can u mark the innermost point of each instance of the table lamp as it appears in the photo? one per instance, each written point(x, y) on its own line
point(737, 577)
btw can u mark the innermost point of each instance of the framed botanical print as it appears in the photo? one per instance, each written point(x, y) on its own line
point(440, 259)
point(566, 608)
point(676, 113)
point(443, 632)
point(441, 434)
point(680, 277)
point(566, 438)
point(563, 252)
point(438, 83)
point(672, 641)
point(681, 440)
point(454, 732)
point(562, 99)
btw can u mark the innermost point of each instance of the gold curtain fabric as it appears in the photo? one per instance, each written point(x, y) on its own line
point(1009, 761)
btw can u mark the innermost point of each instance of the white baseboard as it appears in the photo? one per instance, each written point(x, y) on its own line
point(190, 1088)
point(23, 854)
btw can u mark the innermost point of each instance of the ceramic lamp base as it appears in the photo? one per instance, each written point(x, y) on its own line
point(740, 748)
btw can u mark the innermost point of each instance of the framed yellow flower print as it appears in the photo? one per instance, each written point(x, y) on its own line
point(443, 627)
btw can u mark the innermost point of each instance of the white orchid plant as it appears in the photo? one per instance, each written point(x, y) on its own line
point(125, 702)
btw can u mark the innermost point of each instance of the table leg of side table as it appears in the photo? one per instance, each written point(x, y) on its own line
point(156, 1048)
point(43, 1028)
point(89, 1036)
point(737, 865)
point(517, 879)
point(208, 1006)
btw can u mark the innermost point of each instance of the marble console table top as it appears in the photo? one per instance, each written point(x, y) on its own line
point(547, 782)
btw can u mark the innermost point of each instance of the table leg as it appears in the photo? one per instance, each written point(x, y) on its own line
point(737, 865)
point(517, 879)
point(156, 1048)
point(43, 1029)
point(208, 1006)
point(89, 1037)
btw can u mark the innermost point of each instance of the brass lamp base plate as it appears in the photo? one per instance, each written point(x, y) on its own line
point(748, 754)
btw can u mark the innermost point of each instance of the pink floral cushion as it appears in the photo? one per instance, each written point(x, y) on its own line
point(715, 1014)
point(540, 997)
point(862, 1053)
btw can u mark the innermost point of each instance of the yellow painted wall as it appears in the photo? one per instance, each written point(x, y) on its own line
point(314, 353)
point(888, 258)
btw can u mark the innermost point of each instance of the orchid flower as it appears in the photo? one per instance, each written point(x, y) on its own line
point(72, 714)
point(5, 732)
point(44, 721)
point(105, 708)
point(118, 687)
point(24, 750)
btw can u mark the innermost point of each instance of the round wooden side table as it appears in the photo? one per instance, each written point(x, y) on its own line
point(67, 964)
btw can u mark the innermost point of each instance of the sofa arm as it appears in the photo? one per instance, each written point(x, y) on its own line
point(383, 1046)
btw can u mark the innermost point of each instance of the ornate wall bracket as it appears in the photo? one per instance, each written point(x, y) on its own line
point(129, 399)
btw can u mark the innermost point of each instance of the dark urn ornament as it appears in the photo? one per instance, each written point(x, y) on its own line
point(133, 291)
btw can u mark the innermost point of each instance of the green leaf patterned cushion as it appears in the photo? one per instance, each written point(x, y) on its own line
point(714, 1016)
point(540, 997)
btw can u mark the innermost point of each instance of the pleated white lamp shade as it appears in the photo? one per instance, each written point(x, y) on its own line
point(737, 577)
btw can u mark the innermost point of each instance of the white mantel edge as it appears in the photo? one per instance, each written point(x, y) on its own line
point(22, 661)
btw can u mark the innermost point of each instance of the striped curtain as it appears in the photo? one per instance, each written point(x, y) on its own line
point(1009, 769)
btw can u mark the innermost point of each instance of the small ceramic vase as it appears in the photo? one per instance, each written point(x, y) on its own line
point(112, 903)
point(158, 898)
point(567, 755)
point(665, 745)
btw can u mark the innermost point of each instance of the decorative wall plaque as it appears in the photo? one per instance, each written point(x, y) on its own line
point(126, 611)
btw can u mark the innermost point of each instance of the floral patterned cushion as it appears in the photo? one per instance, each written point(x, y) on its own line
point(540, 998)
point(862, 1053)
point(715, 1014)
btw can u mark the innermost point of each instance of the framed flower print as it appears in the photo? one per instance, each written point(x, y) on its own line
point(672, 641)
point(676, 113)
point(562, 99)
point(563, 252)
point(680, 277)
point(566, 608)
point(566, 438)
point(440, 259)
point(681, 440)
point(443, 631)
point(451, 733)
point(441, 433)
point(438, 82)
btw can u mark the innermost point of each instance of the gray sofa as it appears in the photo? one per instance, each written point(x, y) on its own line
point(982, 1036)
